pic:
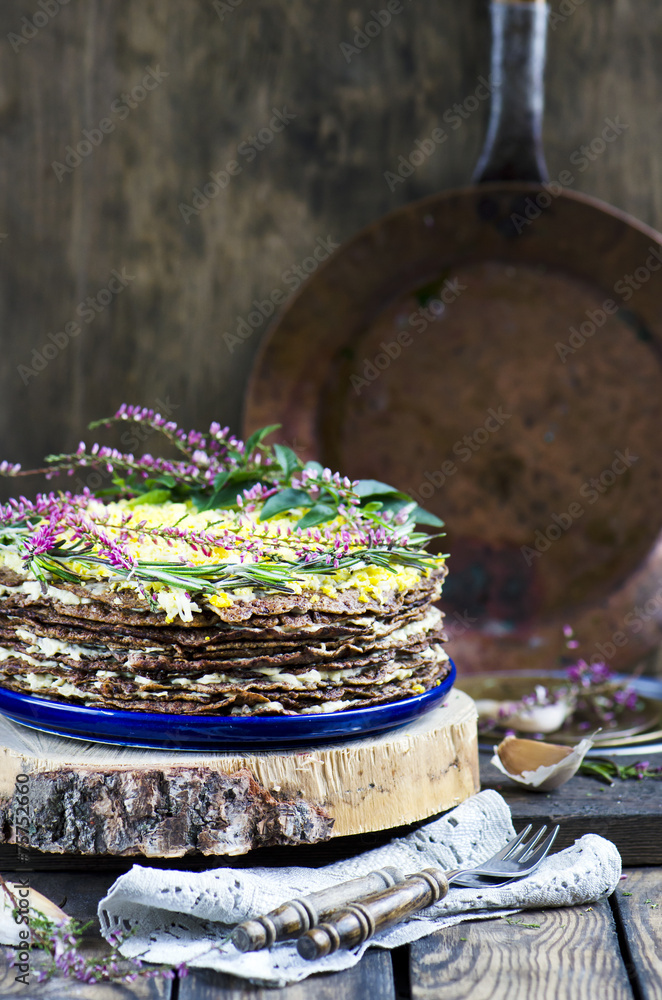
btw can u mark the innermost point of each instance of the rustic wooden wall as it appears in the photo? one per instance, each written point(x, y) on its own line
point(225, 67)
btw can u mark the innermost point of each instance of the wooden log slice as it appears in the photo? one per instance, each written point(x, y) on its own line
point(68, 796)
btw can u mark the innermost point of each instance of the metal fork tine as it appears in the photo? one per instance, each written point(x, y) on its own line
point(517, 857)
point(543, 849)
point(526, 849)
point(512, 845)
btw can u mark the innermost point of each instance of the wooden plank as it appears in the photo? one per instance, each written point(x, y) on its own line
point(638, 906)
point(371, 978)
point(572, 955)
point(627, 813)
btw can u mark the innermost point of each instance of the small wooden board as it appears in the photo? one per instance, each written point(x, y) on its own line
point(97, 799)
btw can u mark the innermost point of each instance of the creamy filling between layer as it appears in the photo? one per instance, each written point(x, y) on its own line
point(51, 647)
point(311, 680)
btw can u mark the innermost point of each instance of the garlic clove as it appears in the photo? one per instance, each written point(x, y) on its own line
point(536, 765)
point(538, 718)
point(488, 708)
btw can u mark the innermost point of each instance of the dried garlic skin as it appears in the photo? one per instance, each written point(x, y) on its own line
point(538, 766)
point(10, 929)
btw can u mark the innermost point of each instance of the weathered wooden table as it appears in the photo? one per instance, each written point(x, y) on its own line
point(610, 950)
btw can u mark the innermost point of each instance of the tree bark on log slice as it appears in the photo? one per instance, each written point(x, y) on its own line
point(96, 799)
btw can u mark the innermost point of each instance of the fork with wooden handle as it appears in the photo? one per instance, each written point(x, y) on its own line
point(360, 920)
point(298, 915)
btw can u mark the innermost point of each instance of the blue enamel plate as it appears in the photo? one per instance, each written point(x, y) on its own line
point(215, 732)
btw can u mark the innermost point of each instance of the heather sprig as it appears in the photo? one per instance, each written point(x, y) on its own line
point(592, 692)
point(218, 471)
point(62, 946)
point(68, 537)
point(253, 566)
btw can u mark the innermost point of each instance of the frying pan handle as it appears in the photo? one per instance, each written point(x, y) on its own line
point(513, 145)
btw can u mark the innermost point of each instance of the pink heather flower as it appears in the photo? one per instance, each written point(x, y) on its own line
point(42, 540)
point(601, 672)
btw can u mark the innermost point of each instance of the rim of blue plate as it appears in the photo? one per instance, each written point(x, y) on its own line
point(154, 730)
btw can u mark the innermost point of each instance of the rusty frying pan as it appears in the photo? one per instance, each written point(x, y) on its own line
point(495, 351)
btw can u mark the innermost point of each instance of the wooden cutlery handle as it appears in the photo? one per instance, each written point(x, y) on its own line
point(298, 915)
point(359, 921)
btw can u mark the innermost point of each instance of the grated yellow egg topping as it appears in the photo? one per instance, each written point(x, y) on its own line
point(370, 581)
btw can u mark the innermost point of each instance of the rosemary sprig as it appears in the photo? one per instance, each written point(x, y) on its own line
point(272, 575)
point(608, 770)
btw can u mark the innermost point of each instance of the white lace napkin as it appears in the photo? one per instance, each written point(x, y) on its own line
point(187, 917)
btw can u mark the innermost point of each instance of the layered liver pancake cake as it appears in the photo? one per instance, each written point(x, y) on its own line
point(232, 579)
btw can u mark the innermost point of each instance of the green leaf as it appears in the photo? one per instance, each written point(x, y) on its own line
point(228, 486)
point(239, 477)
point(227, 495)
point(373, 488)
point(372, 507)
point(220, 480)
point(153, 496)
point(258, 437)
point(287, 459)
point(110, 491)
point(599, 768)
point(235, 456)
point(285, 500)
point(395, 503)
point(422, 516)
point(317, 515)
point(166, 480)
point(314, 466)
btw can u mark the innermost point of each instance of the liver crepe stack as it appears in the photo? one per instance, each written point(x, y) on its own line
point(348, 636)
point(378, 639)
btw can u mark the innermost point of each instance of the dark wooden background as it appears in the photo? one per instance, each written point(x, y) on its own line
point(161, 339)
